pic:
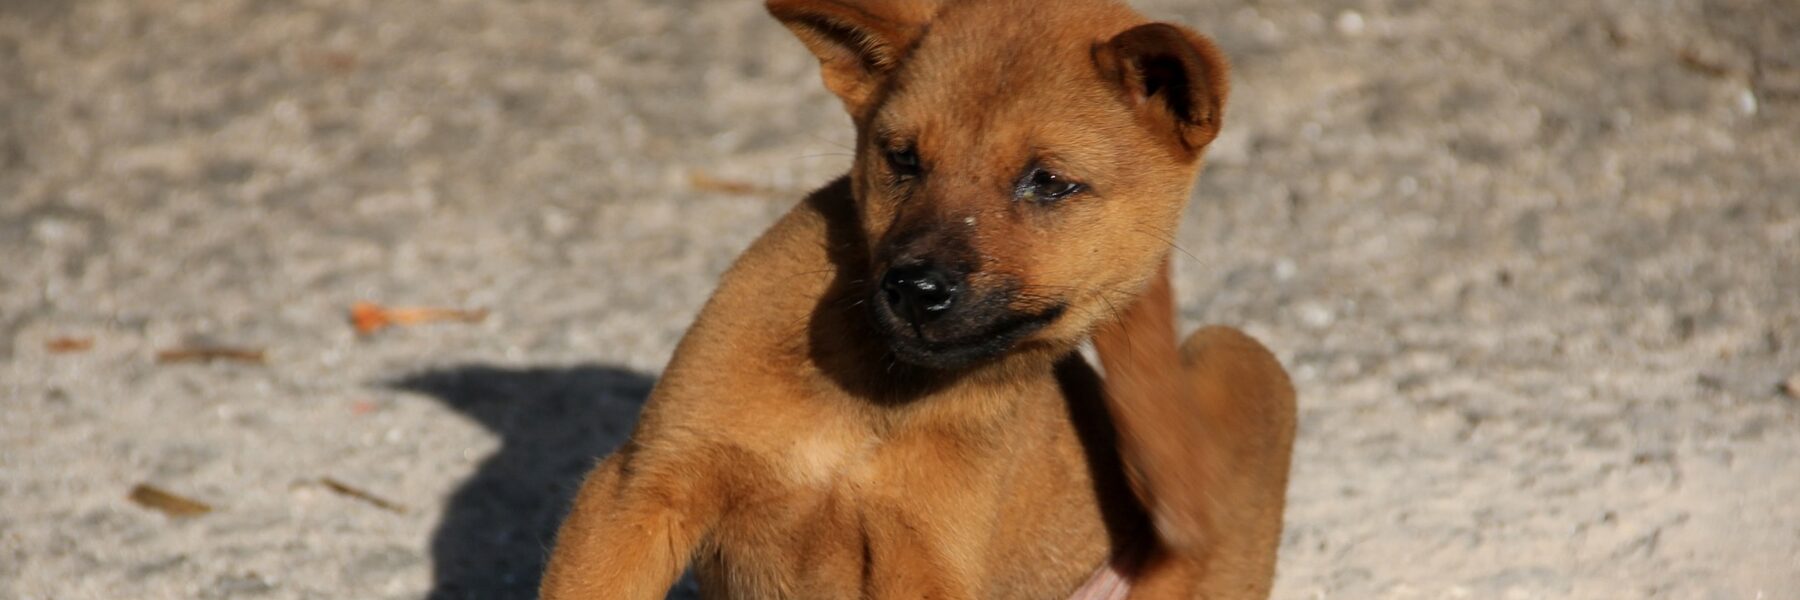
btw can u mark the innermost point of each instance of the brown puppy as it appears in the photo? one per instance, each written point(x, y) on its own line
point(882, 398)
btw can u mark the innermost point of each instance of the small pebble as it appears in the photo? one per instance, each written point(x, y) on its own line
point(1350, 22)
point(1746, 102)
point(1285, 269)
point(1315, 315)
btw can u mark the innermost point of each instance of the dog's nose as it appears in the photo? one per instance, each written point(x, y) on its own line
point(920, 292)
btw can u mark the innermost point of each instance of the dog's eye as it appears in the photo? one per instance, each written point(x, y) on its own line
point(903, 161)
point(1043, 186)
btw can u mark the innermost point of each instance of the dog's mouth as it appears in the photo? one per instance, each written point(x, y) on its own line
point(949, 348)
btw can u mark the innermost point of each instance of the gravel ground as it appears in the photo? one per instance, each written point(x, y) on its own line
point(1534, 264)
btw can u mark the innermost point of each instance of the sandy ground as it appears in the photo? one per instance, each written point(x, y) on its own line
point(1535, 266)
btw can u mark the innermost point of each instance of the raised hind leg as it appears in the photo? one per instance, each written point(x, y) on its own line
point(1205, 433)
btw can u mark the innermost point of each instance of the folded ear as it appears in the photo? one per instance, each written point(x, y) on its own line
point(858, 43)
point(1176, 79)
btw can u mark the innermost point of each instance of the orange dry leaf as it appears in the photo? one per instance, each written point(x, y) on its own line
point(338, 61)
point(706, 182)
point(69, 345)
point(369, 317)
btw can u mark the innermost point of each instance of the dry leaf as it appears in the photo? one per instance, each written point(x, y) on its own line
point(210, 354)
point(704, 182)
point(338, 61)
point(157, 499)
point(348, 490)
point(69, 345)
point(369, 317)
point(1792, 386)
point(1692, 59)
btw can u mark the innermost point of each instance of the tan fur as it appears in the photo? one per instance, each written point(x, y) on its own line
point(787, 453)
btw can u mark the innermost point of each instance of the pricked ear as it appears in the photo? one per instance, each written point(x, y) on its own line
point(858, 43)
point(1176, 79)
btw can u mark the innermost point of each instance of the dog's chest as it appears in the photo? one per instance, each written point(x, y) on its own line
point(836, 515)
point(824, 463)
point(809, 523)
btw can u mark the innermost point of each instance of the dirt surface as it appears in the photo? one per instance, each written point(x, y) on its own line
point(1535, 266)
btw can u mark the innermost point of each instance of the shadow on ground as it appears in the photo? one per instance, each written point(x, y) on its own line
point(553, 423)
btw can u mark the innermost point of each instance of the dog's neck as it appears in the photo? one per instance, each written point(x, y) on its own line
point(985, 400)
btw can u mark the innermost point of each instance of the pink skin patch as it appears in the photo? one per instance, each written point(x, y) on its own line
point(1108, 583)
point(1112, 581)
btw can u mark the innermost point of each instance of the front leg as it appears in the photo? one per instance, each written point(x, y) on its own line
point(633, 528)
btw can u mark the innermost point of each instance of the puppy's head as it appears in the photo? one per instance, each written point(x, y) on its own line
point(1020, 165)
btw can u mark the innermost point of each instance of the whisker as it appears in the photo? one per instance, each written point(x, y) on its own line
point(820, 138)
point(1166, 240)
